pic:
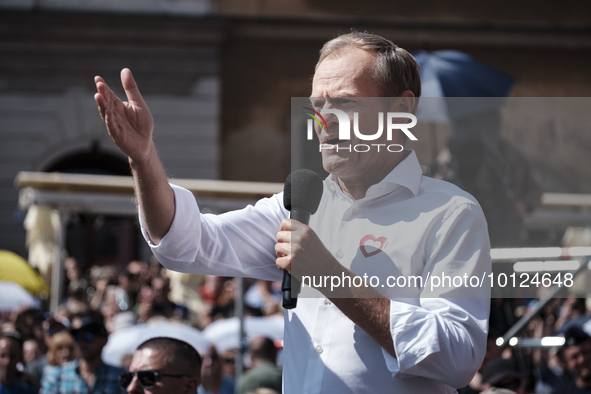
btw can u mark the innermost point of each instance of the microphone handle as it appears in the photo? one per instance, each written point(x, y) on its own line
point(291, 286)
point(288, 302)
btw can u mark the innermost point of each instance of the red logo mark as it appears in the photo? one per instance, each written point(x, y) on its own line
point(371, 242)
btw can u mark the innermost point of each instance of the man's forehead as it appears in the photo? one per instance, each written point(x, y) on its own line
point(351, 59)
point(346, 75)
point(149, 359)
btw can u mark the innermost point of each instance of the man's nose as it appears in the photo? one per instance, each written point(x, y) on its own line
point(135, 386)
point(329, 117)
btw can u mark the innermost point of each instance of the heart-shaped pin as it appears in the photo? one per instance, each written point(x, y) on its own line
point(371, 242)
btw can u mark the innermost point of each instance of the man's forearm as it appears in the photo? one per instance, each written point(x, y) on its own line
point(367, 308)
point(372, 315)
point(154, 195)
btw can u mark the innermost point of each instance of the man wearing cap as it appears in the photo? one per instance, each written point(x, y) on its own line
point(576, 354)
point(87, 374)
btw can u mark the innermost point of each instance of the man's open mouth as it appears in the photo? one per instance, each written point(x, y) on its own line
point(335, 141)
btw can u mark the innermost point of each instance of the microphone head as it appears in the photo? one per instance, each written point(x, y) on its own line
point(303, 189)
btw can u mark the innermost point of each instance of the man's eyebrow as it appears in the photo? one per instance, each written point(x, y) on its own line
point(341, 99)
point(314, 99)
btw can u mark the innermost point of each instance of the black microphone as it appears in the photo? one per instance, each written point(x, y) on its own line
point(301, 196)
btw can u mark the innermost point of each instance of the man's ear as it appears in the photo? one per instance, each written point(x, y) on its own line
point(405, 102)
point(190, 386)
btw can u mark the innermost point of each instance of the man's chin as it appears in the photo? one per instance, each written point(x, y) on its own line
point(334, 162)
point(333, 168)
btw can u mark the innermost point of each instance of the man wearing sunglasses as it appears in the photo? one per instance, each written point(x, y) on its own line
point(87, 374)
point(163, 365)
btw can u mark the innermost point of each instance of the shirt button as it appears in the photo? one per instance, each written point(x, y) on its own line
point(327, 301)
point(355, 211)
point(319, 349)
point(332, 188)
point(340, 254)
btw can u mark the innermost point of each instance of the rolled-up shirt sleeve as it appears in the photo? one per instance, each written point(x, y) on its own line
point(237, 243)
point(442, 335)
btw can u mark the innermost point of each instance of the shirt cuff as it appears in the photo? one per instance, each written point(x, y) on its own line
point(414, 335)
point(184, 230)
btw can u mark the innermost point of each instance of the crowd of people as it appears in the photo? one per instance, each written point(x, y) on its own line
point(61, 351)
point(562, 368)
point(42, 352)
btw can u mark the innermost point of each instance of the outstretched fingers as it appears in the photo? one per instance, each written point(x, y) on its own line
point(99, 97)
point(113, 126)
point(108, 103)
point(131, 90)
point(100, 102)
point(105, 98)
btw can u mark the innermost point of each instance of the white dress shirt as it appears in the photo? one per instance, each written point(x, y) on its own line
point(407, 224)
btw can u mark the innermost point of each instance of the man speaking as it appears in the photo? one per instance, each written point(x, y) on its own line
point(377, 210)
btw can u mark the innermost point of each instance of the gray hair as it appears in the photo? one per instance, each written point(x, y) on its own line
point(395, 70)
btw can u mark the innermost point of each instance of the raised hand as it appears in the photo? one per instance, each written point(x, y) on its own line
point(130, 123)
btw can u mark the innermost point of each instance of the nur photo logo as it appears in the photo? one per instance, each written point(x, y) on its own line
point(391, 120)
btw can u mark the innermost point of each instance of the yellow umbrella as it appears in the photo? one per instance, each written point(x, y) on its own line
point(13, 268)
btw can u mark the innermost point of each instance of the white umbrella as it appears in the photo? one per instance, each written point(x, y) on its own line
point(126, 340)
point(225, 334)
point(13, 296)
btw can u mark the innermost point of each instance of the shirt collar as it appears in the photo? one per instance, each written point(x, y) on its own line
point(407, 174)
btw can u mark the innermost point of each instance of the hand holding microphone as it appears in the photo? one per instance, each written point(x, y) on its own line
point(301, 196)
